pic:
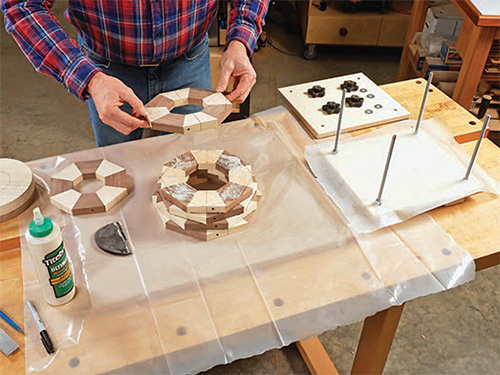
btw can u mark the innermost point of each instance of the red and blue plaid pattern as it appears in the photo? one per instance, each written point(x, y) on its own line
point(132, 32)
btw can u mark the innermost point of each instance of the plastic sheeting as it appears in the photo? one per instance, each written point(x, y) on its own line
point(426, 171)
point(180, 305)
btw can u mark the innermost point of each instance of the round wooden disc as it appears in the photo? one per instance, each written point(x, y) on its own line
point(17, 188)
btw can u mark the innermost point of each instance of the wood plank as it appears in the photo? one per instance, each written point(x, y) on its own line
point(376, 340)
point(316, 358)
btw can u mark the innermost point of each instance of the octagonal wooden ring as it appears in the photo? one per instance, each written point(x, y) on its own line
point(215, 110)
point(65, 197)
point(238, 185)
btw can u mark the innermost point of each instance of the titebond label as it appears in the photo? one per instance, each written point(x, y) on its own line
point(59, 270)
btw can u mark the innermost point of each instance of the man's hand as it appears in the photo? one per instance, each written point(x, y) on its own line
point(236, 64)
point(109, 94)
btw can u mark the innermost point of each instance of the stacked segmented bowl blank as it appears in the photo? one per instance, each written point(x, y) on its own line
point(206, 194)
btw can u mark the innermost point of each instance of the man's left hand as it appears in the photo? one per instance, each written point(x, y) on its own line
point(236, 64)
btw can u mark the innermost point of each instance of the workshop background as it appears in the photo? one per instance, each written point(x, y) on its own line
point(456, 332)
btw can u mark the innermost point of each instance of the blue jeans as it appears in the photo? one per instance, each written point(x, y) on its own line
point(192, 69)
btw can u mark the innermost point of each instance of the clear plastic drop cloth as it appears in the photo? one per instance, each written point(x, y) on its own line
point(426, 171)
point(179, 305)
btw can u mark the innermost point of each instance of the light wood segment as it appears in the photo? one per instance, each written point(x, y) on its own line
point(376, 340)
point(207, 121)
point(70, 173)
point(198, 204)
point(111, 195)
point(66, 200)
point(106, 168)
point(217, 99)
point(88, 203)
point(154, 113)
point(316, 358)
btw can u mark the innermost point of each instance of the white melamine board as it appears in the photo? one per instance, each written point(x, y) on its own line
point(324, 125)
point(425, 172)
point(487, 7)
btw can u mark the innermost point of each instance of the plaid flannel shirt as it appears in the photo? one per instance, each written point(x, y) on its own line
point(132, 32)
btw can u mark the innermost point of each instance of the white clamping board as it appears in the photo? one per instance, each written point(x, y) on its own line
point(426, 171)
point(378, 106)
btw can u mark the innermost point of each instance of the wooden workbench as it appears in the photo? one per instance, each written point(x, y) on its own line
point(480, 237)
point(474, 42)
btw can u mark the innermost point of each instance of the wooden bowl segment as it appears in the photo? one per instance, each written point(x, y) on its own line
point(67, 198)
point(215, 110)
point(229, 194)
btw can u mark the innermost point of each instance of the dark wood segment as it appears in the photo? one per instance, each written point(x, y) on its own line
point(88, 204)
point(227, 162)
point(185, 162)
point(161, 101)
point(178, 194)
point(58, 186)
point(232, 194)
point(194, 225)
point(220, 112)
point(118, 179)
point(88, 168)
point(196, 96)
point(237, 210)
point(173, 122)
point(197, 234)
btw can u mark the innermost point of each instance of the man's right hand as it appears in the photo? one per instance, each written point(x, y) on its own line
point(109, 94)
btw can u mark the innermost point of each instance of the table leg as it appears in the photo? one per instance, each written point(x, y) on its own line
point(316, 358)
point(476, 54)
point(416, 24)
point(376, 340)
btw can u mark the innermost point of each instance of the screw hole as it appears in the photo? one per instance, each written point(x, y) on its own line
point(322, 125)
point(181, 331)
point(472, 123)
point(74, 362)
point(431, 90)
point(418, 82)
point(278, 302)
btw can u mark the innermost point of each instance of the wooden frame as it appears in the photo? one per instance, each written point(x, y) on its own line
point(65, 197)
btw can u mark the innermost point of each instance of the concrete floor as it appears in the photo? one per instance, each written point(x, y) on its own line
point(456, 332)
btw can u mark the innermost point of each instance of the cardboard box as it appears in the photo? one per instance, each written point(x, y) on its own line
point(449, 54)
point(443, 20)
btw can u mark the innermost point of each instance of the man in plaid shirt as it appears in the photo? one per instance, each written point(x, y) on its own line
point(131, 50)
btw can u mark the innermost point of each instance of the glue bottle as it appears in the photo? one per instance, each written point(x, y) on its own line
point(52, 264)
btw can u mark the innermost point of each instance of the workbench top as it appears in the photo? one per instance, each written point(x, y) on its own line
point(473, 224)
